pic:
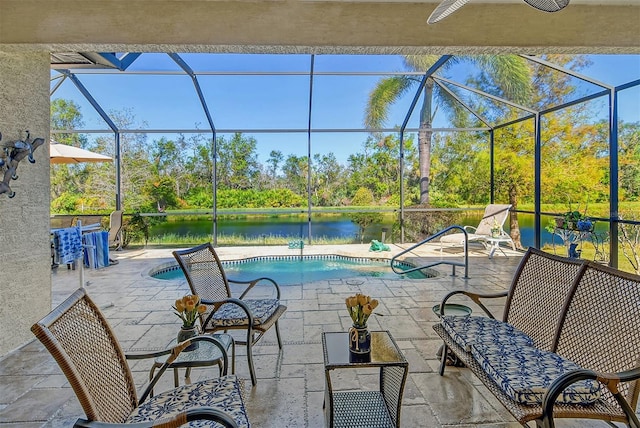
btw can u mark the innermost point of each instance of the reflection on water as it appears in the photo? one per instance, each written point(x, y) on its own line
point(327, 227)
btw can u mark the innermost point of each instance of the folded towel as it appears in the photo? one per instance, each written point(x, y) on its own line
point(96, 254)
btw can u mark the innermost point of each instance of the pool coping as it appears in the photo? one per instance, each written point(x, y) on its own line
point(171, 266)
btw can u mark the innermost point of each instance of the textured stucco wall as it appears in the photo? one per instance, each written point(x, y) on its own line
point(360, 26)
point(25, 264)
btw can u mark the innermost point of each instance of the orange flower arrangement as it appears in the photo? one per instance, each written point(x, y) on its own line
point(360, 307)
point(187, 309)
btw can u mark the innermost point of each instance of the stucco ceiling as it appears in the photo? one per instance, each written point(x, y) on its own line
point(317, 26)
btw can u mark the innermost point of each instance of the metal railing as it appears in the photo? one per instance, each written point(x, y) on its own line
point(441, 262)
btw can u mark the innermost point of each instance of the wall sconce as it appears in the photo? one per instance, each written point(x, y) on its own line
point(11, 154)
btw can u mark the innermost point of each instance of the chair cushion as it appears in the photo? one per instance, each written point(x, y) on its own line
point(221, 393)
point(525, 373)
point(231, 315)
point(467, 330)
point(458, 238)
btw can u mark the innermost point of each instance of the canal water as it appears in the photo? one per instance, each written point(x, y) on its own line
point(292, 227)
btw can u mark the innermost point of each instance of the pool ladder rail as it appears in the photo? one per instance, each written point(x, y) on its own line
point(453, 264)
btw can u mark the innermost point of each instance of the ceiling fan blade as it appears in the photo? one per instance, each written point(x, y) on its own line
point(548, 5)
point(444, 9)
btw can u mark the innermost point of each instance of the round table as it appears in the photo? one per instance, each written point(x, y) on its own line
point(455, 310)
point(206, 354)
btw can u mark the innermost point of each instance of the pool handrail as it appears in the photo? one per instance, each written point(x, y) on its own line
point(441, 262)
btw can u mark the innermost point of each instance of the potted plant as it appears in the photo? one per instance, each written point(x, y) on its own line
point(571, 219)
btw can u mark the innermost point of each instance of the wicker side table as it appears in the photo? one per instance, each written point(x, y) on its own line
point(366, 409)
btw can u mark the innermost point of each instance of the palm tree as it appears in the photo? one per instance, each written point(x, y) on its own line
point(510, 74)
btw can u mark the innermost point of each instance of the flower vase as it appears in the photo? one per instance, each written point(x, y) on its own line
point(359, 340)
point(187, 333)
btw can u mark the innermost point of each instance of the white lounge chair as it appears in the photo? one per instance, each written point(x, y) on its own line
point(494, 214)
point(115, 229)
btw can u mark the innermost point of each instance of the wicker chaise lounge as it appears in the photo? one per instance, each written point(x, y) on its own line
point(79, 338)
point(582, 317)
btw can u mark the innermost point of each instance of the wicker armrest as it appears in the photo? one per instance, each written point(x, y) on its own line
point(253, 282)
point(196, 414)
point(475, 297)
point(610, 380)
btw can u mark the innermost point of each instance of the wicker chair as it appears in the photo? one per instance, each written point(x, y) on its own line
point(205, 275)
point(86, 349)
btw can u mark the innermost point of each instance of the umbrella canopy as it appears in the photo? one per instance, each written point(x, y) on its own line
point(62, 153)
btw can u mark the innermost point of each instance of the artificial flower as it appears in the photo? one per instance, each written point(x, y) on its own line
point(187, 309)
point(360, 307)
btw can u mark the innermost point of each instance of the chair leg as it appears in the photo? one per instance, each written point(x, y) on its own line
point(187, 376)
point(443, 358)
point(278, 335)
point(153, 369)
point(252, 371)
point(233, 356)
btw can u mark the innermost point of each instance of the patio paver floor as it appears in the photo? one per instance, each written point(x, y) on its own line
point(290, 385)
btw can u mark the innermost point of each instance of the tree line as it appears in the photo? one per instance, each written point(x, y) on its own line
point(441, 169)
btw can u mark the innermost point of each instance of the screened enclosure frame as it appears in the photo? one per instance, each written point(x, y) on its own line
point(111, 63)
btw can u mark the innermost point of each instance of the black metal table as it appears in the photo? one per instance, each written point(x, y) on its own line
point(206, 354)
point(366, 409)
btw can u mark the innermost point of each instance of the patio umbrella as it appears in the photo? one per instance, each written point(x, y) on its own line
point(62, 153)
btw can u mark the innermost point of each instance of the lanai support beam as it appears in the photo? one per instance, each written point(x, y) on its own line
point(614, 215)
point(492, 167)
point(311, 70)
point(537, 159)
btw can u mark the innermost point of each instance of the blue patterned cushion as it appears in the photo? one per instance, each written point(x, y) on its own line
point(230, 314)
point(525, 373)
point(467, 330)
point(221, 393)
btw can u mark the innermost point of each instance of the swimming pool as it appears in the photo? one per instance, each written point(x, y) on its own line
point(287, 270)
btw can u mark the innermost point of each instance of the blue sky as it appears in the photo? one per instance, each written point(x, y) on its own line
point(281, 102)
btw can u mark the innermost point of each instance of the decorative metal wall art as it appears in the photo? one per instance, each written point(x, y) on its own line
point(11, 153)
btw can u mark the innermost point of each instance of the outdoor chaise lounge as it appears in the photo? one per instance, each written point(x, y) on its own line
point(115, 229)
point(205, 275)
point(79, 338)
point(494, 215)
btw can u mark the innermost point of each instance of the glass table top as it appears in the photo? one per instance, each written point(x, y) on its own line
point(452, 309)
point(206, 353)
point(384, 351)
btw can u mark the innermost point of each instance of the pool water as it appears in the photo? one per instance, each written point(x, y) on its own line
point(289, 270)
